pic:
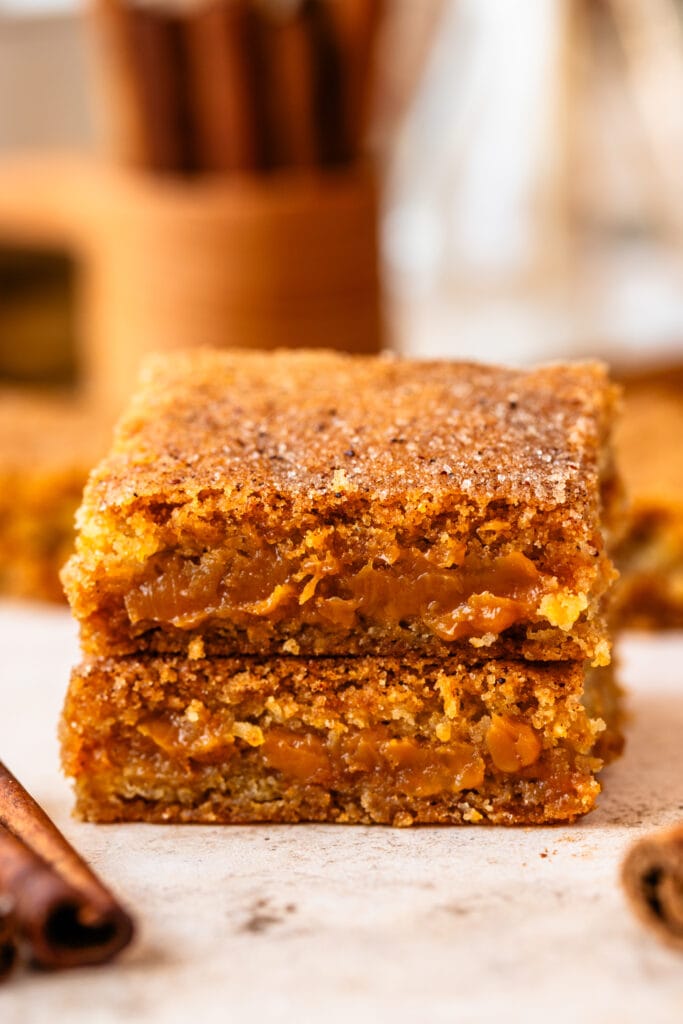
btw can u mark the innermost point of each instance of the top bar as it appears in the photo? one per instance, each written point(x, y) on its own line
point(314, 503)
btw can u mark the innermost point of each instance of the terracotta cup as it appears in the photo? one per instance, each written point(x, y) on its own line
point(289, 259)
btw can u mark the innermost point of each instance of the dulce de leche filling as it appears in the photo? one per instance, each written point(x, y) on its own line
point(401, 764)
point(407, 766)
point(447, 593)
point(372, 755)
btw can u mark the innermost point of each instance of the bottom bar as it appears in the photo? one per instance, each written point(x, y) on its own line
point(350, 740)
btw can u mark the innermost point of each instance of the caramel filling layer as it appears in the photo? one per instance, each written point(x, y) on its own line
point(397, 765)
point(392, 764)
point(446, 593)
point(373, 760)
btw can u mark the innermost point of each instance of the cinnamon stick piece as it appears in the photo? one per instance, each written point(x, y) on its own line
point(358, 23)
point(157, 40)
point(652, 875)
point(143, 49)
point(330, 88)
point(289, 81)
point(8, 939)
point(224, 86)
point(62, 910)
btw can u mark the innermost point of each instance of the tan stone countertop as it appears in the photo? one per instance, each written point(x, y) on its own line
point(334, 924)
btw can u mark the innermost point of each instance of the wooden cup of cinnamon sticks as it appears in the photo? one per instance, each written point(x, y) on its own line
point(52, 905)
point(251, 214)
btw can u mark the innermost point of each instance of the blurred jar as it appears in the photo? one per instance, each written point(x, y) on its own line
point(503, 229)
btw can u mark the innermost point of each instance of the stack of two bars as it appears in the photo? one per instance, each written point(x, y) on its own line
point(323, 588)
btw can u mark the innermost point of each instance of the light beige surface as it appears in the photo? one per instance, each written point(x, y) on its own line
point(353, 924)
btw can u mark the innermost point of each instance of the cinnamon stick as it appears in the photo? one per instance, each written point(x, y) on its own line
point(223, 88)
point(8, 938)
point(111, 20)
point(652, 875)
point(157, 40)
point(144, 50)
point(64, 913)
point(358, 23)
point(331, 83)
point(290, 82)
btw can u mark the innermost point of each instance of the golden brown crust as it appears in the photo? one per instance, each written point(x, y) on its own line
point(391, 740)
point(249, 426)
point(219, 448)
